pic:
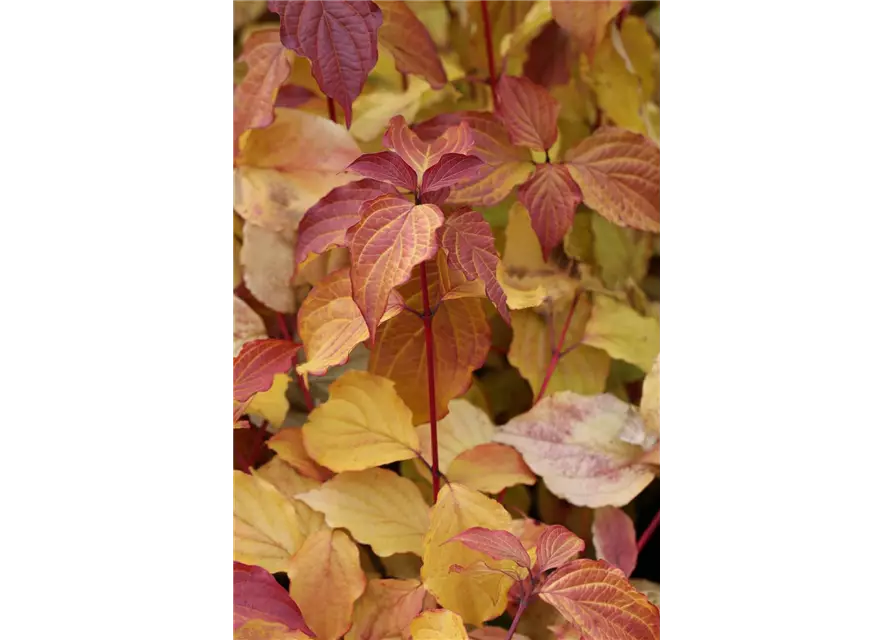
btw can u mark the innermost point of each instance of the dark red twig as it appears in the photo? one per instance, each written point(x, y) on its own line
point(488, 36)
point(646, 536)
point(427, 317)
point(556, 349)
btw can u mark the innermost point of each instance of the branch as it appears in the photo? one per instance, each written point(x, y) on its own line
point(521, 607)
point(556, 349)
point(488, 36)
point(427, 318)
point(648, 532)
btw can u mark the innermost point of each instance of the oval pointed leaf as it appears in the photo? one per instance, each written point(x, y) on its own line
point(499, 545)
point(289, 444)
point(600, 602)
point(386, 609)
point(439, 624)
point(551, 196)
point(622, 332)
point(258, 596)
point(257, 364)
point(490, 468)
point(462, 429)
point(468, 241)
point(407, 38)
point(556, 546)
point(268, 67)
point(392, 236)
point(386, 166)
point(420, 154)
point(326, 223)
point(586, 22)
point(619, 176)
point(528, 111)
point(331, 325)
point(339, 38)
point(614, 537)
point(450, 169)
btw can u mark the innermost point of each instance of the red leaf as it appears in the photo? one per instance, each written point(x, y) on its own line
point(450, 169)
point(258, 362)
point(499, 545)
point(557, 546)
point(408, 39)
point(386, 166)
point(268, 68)
point(420, 154)
point(551, 196)
point(468, 241)
point(339, 38)
point(257, 596)
point(600, 602)
point(325, 223)
point(548, 57)
point(614, 537)
point(528, 111)
point(392, 236)
point(292, 96)
point(619, 175)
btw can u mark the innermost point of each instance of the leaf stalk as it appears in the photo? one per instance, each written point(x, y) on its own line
point(427, 320)
point(556, 349)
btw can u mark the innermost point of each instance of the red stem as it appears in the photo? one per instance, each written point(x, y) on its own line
point(332, 115)
point(405, 81)
point(648, 532)
point(427, 317)
point(521, 606)
point(283, 327)
point(556, 349)
point(308, 399)
point(489, 39)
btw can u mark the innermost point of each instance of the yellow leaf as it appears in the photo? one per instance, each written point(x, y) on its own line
point(263, 630)
point(649, 407)
point(386, 609)
point(513, 47)
point(326, 580)
point(318, 266)
point(364, 424)
point(463, 428)
point(271, 404)
point(282, 476)
point(623, 333)
point(377, 506)
point(490, 468)
point(476, 596)
point(622, 253)
point(439, 624)
point(266, 530)
point(289, 444)
point(373, 111)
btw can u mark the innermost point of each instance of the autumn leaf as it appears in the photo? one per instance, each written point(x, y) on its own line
point(408, 39)
point(257, 595)
point(581, 447)
point(331, 325)
point(476, 597)
point(386, 166)
point(497, 544)
point(266, 530)
point(271, 405)
point(529, 113)
point(556, 546)
point(266, 258)
point(461, 342)
point(289, 444)
point(468, 241)
point(450, 169)
point(339, 38)
point(649, 407)
point(326, 580)
point(490, 468)
point(290, 483)
point(392, 236)
point(619, 176)
point(622, 254)
point(438, 624)
point(268, 68)
point(551, 196)
point(614, 537)
point(257, 364)
point(464, 427)
point(600, 602)
point(420, 154)
point(247, 325)
point(326, 223)
point(549, 56)
point(586, 22)
point(363, 424)
point(377, 507)
point(622, 332)
point(386, 609)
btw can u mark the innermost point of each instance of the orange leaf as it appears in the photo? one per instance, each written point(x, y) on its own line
point(528, 111)
point(551, 196)
point(468, 241)
point(585, 21)
point(619, 175)
point(386, 609)
point(506, 165)
point(499, 545)
point(420, 154)
point(614, 537)
point(257, 363)
point(331, 325)
point(289, 444)
point(326, 580)
point(326, 223)
point(461, 342)
point(392, 237)
point(406, 37)
point(258, 596)
point(490, 468)
point(556, 546)
point(268, 67)
point(600, 602)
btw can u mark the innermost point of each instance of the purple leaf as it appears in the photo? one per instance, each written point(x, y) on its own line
point(386, 166)
point(257, 596)
point(449, 170)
